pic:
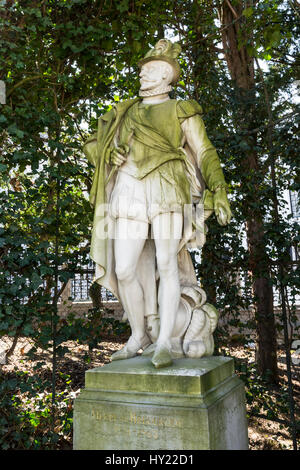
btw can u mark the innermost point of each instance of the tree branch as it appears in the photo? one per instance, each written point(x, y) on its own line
point(21, 82)
point(232, 9)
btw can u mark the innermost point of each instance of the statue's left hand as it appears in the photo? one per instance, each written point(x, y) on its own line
point(222, 207)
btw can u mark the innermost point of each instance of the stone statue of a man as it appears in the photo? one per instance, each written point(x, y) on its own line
point(153, 159)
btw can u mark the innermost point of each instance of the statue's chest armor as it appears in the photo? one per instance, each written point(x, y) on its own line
point(157, 122)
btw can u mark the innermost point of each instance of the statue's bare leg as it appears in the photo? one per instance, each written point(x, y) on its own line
point(169, 287)
point(130, 239)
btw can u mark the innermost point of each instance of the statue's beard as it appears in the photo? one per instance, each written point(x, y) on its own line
point(159, 90)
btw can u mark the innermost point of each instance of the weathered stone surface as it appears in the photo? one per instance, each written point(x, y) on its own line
point(194, 404)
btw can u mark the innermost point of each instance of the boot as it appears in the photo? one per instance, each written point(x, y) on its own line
point(131, 348)
point(162, 356)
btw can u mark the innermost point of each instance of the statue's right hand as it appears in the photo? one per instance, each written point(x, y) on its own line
point(118, 156)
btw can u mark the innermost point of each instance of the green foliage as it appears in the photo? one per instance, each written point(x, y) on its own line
point(259, 397)
point(26, 414)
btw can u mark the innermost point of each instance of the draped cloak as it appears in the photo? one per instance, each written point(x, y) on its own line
point(202, 169)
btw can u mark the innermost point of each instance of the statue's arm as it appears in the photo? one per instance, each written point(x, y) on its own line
point(208, 162)
point(91, 151)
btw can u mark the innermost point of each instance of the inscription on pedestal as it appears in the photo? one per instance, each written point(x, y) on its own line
point(133, 418)
point(141, 425)
point(196, 404)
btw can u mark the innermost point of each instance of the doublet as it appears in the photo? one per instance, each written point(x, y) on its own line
point(153, 179)
point(154, 135)
point(169, 154)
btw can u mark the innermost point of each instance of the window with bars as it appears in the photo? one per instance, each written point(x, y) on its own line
point(82, 282)
point(80, 286)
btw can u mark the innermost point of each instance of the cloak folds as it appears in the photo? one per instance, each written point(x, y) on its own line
point(202, 168)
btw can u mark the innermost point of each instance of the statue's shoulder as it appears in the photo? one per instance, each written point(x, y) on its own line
point(188, 108)
point(118, 109)
point(122, 106)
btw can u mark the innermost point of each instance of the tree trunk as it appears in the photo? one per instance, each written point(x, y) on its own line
point(241, 69)
point(95, 294)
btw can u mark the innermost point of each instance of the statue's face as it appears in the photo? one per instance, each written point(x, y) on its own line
point(154, 74)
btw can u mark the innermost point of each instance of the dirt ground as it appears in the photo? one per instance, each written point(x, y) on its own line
point(265, 432)
point(272, 433)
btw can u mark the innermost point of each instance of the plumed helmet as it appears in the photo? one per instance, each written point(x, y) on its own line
point(167, 51)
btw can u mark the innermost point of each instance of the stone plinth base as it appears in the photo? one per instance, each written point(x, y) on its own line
point(194, 404)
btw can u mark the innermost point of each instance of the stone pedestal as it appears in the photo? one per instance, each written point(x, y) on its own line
point(194, 404)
